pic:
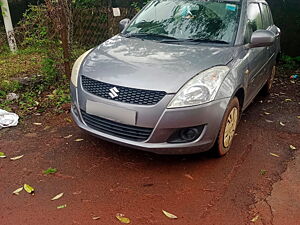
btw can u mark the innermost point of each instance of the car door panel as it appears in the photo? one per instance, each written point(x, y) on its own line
point(257, 67)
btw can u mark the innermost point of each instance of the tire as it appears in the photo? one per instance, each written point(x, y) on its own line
point(228, 128)
point(266, 90)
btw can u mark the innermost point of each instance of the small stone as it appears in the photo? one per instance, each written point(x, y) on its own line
point(12, 96)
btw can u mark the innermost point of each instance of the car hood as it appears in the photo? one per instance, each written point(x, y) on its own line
point(151, 65)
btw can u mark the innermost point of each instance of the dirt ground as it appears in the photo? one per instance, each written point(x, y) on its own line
point(100, 179)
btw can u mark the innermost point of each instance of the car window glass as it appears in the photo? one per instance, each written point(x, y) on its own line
point(254, 20)
point(270, 15)
point(188, 19)
point(265, 16)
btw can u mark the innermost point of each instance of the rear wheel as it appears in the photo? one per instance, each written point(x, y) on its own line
point(228, 127)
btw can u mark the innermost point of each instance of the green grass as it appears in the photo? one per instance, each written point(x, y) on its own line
point(19, 65)
point(49, 90)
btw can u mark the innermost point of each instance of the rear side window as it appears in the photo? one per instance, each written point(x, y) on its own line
point(254, 20)
point(266, 16)
point(270, 15)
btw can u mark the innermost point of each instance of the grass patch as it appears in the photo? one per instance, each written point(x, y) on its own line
point(37, 81)
point(20, 65)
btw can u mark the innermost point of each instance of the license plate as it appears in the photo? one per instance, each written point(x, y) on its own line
point(110, 112)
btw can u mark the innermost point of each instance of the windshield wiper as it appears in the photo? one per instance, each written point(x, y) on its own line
point(207, 41)
point(150, 35)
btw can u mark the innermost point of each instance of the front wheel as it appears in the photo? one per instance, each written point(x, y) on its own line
point(228, 127)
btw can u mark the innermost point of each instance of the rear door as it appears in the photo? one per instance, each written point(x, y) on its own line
point(268, 24)
point(257, 57)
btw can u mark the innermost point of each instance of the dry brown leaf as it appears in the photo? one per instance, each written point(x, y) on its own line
point(273, 154)
point(169, 215)
point(282, 124)
point(17, 192)
point(269, 121)
point(292, 147)
point(188, 176)
point(37, 124)
point(57, 197)
point(122, 218)
point(255, 218)
point(96, 217)
point(79, 139)
point(17, 157)
point(69, 136)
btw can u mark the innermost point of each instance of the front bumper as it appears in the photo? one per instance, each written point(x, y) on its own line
point(163, 121)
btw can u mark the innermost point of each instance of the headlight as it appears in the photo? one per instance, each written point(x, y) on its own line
point(76, 67)
point(201, 89)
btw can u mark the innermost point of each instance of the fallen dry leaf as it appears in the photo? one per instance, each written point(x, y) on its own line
point(292, 147)
point(79, 139)
point(169, 215)
point(96, 217)
point(37, 124)
point(288, 100)
point(2, 155)
point(298, 117)
point(255, 218)
point(57, 197)
point(189, 176)
point(67, 137)
point(273, 154)
point(282, 124)
point(28, 188)
point(267, 113)
point(61, 206)
point(77, 193)
point(269, 121)
point(47, 127)
point(17, 192)
point(17, 157)
point(122, 218)
point(68, 120)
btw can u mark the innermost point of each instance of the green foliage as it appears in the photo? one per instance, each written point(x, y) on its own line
point(50, 171)
point(88, 3)
point(139, 5)
point(9, 86)
point(49, 70)
point(35, 28)
point(290, 62)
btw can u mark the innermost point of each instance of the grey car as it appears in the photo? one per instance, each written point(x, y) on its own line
point(177, 77)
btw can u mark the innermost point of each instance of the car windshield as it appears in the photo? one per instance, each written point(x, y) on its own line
point(189, 20)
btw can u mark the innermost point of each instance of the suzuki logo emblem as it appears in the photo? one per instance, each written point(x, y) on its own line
point(113, 92)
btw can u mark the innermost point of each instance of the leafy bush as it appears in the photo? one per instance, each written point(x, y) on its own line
point(290, 62)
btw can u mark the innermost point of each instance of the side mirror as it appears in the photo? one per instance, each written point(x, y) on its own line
point(262, 38)
point(123, 23)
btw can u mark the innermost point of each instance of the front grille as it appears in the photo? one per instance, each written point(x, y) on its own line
point(116, 129)
point(126, 95)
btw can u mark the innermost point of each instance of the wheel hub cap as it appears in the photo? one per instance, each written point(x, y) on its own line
point(230, 127)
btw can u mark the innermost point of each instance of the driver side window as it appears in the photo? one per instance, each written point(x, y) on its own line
point(254, 21)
